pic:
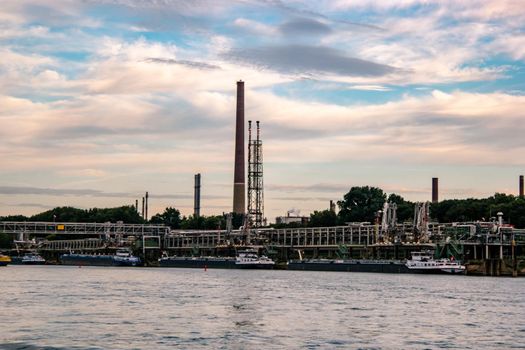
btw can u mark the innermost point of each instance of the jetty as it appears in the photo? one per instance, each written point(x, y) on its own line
point(487, 248)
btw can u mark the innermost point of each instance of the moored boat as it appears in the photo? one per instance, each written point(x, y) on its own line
point(349, 265)
point(122, 257)
point(249, 259)
point(202, 262)
point(4, 260)
point(245, 259)
point(31, 258)
point(424, 262)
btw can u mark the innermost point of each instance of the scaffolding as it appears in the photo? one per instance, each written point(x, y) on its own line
point(255, 179)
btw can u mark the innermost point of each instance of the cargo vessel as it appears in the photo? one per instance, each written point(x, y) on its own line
point(28, 259)
point(246, 259)
point(421, 262)
point(357, 265)
point(249, 259)
point(202, 262)
point(122, 257)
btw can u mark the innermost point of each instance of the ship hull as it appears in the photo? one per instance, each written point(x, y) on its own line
point(438, 271)
point(17, 260)
point(255, 266)
point(202, 263)
point(197, 263)
point(378, 266)
point(350, 266)
point(96, 260)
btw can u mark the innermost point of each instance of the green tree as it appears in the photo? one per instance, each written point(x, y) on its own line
point(405, 209)
point(61, 214)
point(361, 204)
point(323, 218)
point(214, 222)
point(193, 222)
point(170, 217)
point(14, 218)
point(6, 241)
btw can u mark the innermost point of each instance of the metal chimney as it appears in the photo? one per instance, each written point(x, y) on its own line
point(521, 186)
point(137, 205)
point(146, 212)
point(197, 196)
point(435, 190)
point(239, 181)
point(143, 207)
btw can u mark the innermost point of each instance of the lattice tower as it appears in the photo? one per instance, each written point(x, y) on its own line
point(255, 178)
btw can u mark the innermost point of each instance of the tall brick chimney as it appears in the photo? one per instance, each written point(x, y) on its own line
point(239, 180)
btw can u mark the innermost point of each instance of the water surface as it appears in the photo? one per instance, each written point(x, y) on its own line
point(63, 307)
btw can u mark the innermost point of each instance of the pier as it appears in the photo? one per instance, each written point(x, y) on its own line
point(488, 248)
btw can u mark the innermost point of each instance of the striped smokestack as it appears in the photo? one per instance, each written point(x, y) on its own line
point(239, 192)
point(435, 190)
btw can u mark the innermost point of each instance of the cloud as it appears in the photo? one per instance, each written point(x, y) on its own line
point(147, 112)
point(369, 88)
point(303, 59)
point(24, 190)
point(304, 26)
point(320, 187)
point(254, 27)
point(94, 173)
point(31, 205)
point(19, 190)
point(191, 64)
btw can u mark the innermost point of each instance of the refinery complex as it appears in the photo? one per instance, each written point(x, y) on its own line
point(490, 248)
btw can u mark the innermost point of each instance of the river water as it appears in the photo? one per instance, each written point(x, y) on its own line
point(62, 307)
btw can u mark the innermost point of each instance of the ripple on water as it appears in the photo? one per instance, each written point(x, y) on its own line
point(225, 309)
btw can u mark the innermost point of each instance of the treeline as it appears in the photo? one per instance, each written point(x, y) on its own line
point(359, 204)
point(126, 214)
point(173, 218)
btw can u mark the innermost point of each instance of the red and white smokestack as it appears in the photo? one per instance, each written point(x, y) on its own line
point(239, 180)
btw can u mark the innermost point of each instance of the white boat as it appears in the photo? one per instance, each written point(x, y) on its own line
point(423, 262)
point(30, 258)
point(124, 257)
point(249, 259)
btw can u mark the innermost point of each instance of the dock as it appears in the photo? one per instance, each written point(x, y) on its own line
point(486, 247)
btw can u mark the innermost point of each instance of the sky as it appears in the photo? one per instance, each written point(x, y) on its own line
point(102, 100)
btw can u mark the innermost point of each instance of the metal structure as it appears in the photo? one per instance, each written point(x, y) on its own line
point(494, 248)
point(389, 220)
point(239, 180)
point(146, 211)
point(197, 196)
point(435, 190)
point(255, 178)
point(521, 186)
point(23, 230)
point(421, 221)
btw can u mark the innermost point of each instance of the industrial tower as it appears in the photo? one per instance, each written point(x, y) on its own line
point(239, 189)
point(255, 178)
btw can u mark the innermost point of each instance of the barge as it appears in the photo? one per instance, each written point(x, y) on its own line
point(122, 257)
